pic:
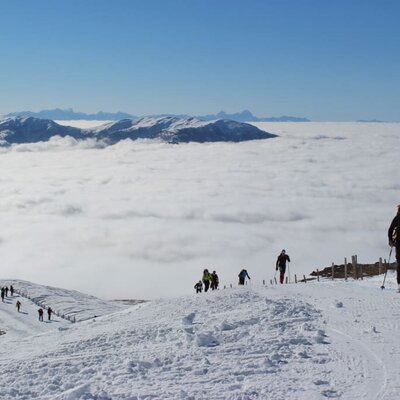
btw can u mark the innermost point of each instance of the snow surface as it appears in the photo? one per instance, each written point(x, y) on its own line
point(286, 342)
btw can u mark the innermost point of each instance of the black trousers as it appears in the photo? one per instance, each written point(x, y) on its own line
point(398, 262)
point(206, 285)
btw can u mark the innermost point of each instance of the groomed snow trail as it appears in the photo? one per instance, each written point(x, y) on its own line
point(287, 342)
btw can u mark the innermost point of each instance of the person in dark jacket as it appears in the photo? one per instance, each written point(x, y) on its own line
point(49, 312)
point(3, 293)
point(18, 305)
point(214, 281)
point(12, 290)
point(199, 287)
point(281, 265)
point(394, 240)
point(242, 276)
point(40, 312)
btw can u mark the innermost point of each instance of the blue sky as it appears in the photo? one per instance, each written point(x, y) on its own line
point(326, 60)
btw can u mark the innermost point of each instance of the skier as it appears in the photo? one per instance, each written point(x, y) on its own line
point(12, 290)
point(214, 281)
point(242, 276)
point(40, 312)
point(6, 290)
point(394, 240)
point(3, 292)
point(206, 279)
point(199, 287)
point(49, 312)
point(18, 305)
point(281, 264)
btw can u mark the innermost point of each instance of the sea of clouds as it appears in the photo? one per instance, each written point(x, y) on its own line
point(142, 219)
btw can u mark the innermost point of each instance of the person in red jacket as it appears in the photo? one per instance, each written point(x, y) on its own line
point(281, 264)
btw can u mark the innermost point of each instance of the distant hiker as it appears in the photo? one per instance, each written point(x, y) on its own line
point(6, 290)
point(206, 279)
point(199, 287)
point(49, 312)
point(12, 290)
point(281, 264)
point(18, 305)
point(214, 281)
point(242, 276)
point(3, 292)
point(394, 240)
point(40, 311)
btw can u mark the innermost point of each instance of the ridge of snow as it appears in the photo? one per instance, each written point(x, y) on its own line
point(70, 304)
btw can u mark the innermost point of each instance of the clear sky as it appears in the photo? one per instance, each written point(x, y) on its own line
point(322, 59)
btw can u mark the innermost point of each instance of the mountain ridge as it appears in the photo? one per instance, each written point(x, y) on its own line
point(168, 129)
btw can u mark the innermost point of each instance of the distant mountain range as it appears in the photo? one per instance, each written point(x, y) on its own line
point(70, 114)
point(168, 129)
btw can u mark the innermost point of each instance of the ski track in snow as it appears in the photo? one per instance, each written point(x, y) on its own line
point(328, 340)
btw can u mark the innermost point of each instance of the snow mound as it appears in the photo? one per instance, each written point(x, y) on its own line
point(168, 349)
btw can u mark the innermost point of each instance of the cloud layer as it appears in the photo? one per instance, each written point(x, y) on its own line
point(142, 219)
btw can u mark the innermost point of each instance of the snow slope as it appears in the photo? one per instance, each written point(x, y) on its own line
point(293, 342)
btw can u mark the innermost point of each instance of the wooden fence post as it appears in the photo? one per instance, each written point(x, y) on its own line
point(354, 263)
point(275, 281)
point(345, 269)
point(361, 268)
point(286, 280)
point(295, 278)
point(264, 282)
point(271, 281)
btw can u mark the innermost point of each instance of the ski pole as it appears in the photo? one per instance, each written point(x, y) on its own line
point(384, 278)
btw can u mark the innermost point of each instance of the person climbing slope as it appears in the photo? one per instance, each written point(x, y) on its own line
point(199, 287)
point(394, 240)
point(281, 265)
point(242, 276)
point(206, 279)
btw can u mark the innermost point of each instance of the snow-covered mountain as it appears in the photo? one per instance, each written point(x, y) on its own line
point(30, 129)
point(168, 129)
point(177, 130)
point(288, 342)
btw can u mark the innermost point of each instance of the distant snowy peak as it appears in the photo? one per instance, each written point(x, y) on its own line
point(178, 130)
point(168, 129)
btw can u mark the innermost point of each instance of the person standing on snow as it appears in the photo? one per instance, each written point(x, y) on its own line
point(18, 305)
point(214, 281)
point(40, 312)
point(281, 264)
point(2, 294)
point(394, 240)
point(12, 290)
point(206, 279)
point(242, 276)
point(49, 312)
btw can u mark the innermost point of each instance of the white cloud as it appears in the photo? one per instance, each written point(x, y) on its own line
point(141, 219)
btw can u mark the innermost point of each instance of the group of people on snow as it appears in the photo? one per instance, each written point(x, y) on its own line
point(5, 290)
point(18, 304)
point(212, 280)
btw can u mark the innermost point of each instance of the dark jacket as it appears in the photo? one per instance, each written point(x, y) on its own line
point(281, 261)
point(394, 231)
